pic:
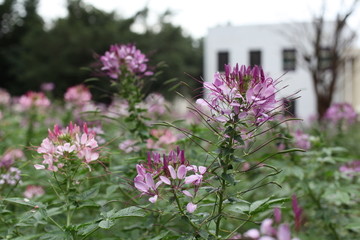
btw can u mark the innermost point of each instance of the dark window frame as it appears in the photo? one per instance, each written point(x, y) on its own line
point(255, 57)
point(222, 59)
point(289, 56)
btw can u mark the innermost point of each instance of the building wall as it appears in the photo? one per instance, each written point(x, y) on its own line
point(270, 40)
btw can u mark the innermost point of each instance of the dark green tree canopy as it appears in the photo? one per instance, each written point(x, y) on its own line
point(31, 55)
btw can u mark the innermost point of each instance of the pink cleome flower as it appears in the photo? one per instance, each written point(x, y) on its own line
point(66, 144)
point(78, 95)
point(9, 157)
point(33, 191)
point(165, 139)
point(172, 170)
point(124, 59)
point(34, 99)
point(351, 168)
point(155, 103)
point(302, 140)
point(341, 112)
point(239, 93)
point(4, 97)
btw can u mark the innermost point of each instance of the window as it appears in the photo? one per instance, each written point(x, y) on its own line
point(289, 107)
point(223, 58)
point(255, 58)
point(289, 59)
point(324, 58)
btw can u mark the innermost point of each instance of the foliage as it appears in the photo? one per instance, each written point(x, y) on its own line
point(33, 53)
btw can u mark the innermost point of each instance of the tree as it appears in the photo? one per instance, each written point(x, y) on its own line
point(31, 55)
point(325, 53)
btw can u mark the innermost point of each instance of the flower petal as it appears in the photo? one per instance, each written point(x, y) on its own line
point(172, 172)
point(181, 172)
point(153, 199)
point(190, 207)
point(165, 180)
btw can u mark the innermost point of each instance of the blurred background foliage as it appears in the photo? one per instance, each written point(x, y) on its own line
point(33, 52)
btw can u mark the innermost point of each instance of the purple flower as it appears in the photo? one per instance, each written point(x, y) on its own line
point(78, 95)
point(172, 170)
point(302, 140)
point(68, 143)
point(297, 212)
point(34, 99)
point(47, 86)
point(155, 103)
point(190, 207)
point(240, 93)
point(252, 234)
point(283, 232)
point(341, 112)
point(11, 176)
point(350, 168)
point(266, 227)
point(124, 59)
point(4, 97)
point(129, 146)
point(277, 215)
point(33, 191)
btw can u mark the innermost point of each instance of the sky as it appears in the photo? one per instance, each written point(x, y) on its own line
point(197, 16)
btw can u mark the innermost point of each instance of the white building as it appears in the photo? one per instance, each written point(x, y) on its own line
point(270, 47)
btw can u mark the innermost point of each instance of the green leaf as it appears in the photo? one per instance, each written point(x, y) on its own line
point(88, 194)
point(255, 205)
point(106, 224)
point(355, 226)
point(239, 208)
point(24, 201)
point(83, 230)
point(129, 212)
point(160, 236)
point(29, 237)
point(91, 80)
point(228, 177)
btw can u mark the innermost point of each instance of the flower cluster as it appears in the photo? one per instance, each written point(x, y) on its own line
point(172, 170)
point(124, 59)
point(129, 146)
point(164, 139)
point(4, 97)
point(268, 231)
point(78, 95)
point(239, 93)
point(34, 99)
point(341, 112)
point(11, 176)
point(9, 158)
point(47, 86)
point(351, 168)
point(63, 146)
point(302, 140)
point(33, 191)
point(155, 103)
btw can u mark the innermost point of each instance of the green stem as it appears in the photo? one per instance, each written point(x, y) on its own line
point(221, 199)
point(230, 143)
point(68, 210)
